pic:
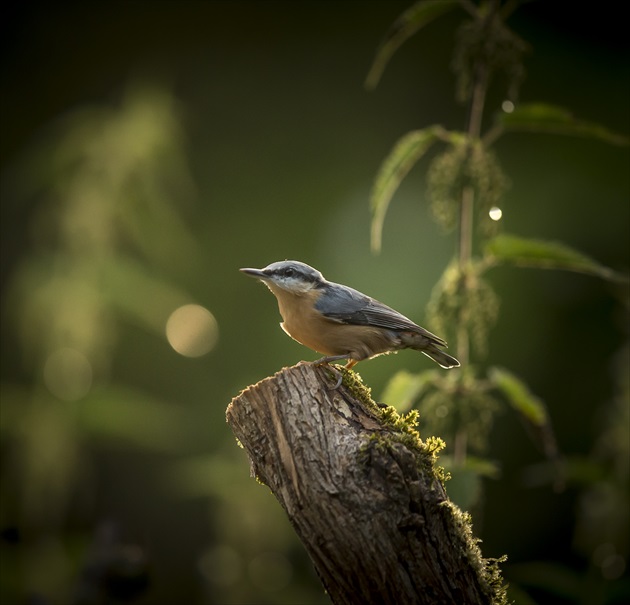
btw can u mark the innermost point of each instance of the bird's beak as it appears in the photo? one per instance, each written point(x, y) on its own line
point(259, 273)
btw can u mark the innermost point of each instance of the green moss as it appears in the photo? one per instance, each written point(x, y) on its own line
point(353, 382)
point(488, 570)
point(405, 432)
point(402, 428)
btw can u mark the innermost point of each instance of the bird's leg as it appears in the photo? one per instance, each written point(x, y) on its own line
point(328, 358)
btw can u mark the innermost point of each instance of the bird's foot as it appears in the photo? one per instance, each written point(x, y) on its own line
point(326, 361)
point(339, 377)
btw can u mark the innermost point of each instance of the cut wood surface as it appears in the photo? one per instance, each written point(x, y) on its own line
point(363, 496)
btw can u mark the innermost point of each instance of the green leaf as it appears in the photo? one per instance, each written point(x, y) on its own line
point(525, 252)
point(412, 20)
point(540, 117)
point(530, 408)
point(406, 152)
point(404, 388)
point(464, 488)
point(481, 466)
point(518, 395)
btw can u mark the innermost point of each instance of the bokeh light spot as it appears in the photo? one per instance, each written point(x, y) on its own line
point(441, 411)
point(507, 106)
point(613, 567)
point(68, 374)
point(611, 563)
point(192, 330)
point(495, 213)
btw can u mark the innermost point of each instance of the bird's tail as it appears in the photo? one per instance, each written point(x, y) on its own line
point(440, 357)
point(430, 345)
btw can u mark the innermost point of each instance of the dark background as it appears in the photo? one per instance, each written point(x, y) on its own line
point(272, 145)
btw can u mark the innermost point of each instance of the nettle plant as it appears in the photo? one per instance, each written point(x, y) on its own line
point(465, 187)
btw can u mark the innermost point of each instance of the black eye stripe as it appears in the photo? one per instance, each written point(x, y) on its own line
point(285, 272)
point(294, 273)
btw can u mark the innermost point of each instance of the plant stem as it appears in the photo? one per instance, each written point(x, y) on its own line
point(466, 216)
point(466, 224)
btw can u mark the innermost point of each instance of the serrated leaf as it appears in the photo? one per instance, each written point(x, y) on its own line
point(518, 395)
point(407, 24)
point(529, 407)
point(541, 117)
point(525, 252)
point(401, 159)
point(404, 388)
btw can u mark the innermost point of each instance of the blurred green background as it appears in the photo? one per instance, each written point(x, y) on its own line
point(149, 150)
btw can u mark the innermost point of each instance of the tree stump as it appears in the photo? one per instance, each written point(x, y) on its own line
point(362, 492)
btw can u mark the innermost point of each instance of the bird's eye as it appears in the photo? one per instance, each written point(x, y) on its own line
point(289, 272)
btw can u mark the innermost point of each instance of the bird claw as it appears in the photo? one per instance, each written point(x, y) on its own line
point(339, 380)
point(333, 369)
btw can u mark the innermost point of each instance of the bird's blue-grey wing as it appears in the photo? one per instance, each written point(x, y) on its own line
point(349, 306)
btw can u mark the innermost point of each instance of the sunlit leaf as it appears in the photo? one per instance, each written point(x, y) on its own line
point(413, 19)
point(518, 395)
point(529, 407)
point(540, 117)
point(525, 252)
point(464, 488)
point(465, 482)
point(480, 466)
point(406, 152)
point(483, 467)
point(404, 388)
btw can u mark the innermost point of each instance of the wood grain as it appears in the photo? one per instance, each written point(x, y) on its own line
point(375, 520)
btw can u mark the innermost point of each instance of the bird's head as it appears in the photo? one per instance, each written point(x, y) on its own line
point(288, 275)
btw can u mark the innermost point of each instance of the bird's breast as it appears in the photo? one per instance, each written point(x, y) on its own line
point(303, 323)
point(310, 328)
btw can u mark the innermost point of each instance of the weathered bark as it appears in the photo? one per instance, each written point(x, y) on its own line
point(367, 505)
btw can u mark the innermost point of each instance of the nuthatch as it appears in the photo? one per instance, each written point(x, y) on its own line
point(341, 322)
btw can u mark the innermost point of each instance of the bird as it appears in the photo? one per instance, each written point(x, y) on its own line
point(340, 322)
